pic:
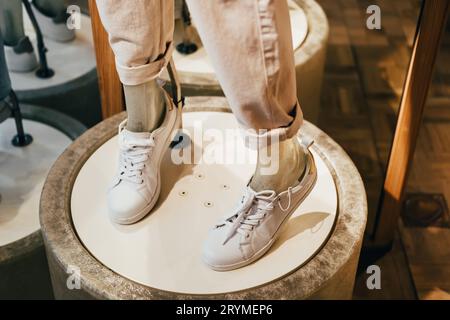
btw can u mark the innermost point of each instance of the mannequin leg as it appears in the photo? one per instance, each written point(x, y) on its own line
point(21, 139)
point(254, 62)
point(142, 43)
point(249, 44)
point(140, 34)
point(5, 82)
point(288, 161)
point(11, 22)
point(18, 48)
point(145, 105)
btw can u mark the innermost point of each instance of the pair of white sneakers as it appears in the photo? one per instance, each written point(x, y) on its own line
point(239, 239)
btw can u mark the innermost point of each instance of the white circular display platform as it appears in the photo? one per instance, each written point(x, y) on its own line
point(22, 174)
point(69, 60)
point(198, 62)
point(163, 250)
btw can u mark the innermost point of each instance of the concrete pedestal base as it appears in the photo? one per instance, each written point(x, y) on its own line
point(316, 257)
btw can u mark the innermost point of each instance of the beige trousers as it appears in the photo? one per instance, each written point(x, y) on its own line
point(249, 44)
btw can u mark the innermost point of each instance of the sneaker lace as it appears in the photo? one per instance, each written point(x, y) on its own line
point(252, 210)
point(133, 155)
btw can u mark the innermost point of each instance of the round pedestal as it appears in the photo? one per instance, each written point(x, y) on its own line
point(75, 75)
point(23, 266)
point(159, 257)
point(309, 35)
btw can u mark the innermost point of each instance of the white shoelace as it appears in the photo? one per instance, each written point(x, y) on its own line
point(133, 155)
point(253, 211)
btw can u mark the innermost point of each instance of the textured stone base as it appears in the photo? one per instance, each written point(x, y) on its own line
point(329, 274)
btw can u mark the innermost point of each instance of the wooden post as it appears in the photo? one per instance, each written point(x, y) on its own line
point(111, 91)
point(426, 47)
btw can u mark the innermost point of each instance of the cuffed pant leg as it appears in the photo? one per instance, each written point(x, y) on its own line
point(141, 36)
point(250, 46)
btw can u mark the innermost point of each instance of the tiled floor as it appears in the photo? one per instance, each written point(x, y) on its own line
point(364, 77)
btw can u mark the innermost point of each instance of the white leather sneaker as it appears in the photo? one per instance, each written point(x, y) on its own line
point(137, 184)
point(248, 234)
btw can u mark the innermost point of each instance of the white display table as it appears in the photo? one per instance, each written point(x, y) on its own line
point(159, 257)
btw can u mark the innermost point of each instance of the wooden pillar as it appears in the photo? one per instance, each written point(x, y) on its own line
point(111, 91)
point(426, 46)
